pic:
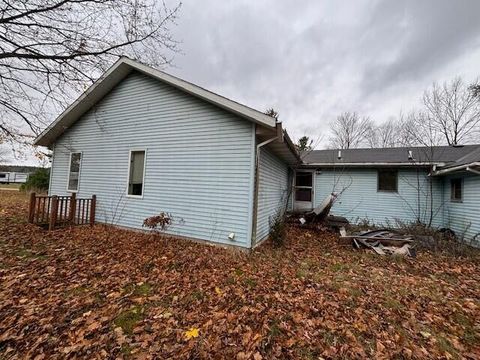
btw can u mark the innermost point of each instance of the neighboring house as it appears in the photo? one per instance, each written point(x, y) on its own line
point(15, 174)
point(146, 142)
point(437, 185)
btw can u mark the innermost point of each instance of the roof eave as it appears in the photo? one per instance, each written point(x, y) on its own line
point(464, 167)
point(116, 73)
point(374, 164)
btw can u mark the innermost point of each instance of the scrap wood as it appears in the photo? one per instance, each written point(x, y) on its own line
point(319, 213)
point(382, 242)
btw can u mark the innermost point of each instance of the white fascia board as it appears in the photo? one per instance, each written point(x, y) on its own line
point(373, 164)
point(195, 90)
point(456, 168)
point(84, 102)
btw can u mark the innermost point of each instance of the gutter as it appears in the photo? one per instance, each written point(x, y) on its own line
point(373, 164)
point(467, 167)
point(473, 170)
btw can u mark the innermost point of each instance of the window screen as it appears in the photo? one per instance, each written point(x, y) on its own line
point(456, 189)
point(135, 179)
point(387, 180)
point(74, 174)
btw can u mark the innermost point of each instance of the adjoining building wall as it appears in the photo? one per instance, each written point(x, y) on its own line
point(360, 199)
point(198, 166)
point(463, 217)
point(272, 193)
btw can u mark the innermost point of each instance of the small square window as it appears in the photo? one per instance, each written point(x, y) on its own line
point(136, 173)
point(387, 180)
point(456, 190)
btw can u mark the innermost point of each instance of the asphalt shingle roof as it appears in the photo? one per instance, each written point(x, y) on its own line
point(438, 154)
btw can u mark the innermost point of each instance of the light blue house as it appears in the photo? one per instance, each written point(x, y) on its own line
point(146, 142)
point(439, 186)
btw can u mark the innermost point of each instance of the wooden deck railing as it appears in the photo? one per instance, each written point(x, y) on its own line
point(56, 210)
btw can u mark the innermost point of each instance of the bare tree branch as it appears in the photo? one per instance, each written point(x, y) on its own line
point(349, 130)
point(51, 50)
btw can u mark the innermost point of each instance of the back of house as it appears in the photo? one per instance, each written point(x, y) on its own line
point(438, 186)
point(145, 142)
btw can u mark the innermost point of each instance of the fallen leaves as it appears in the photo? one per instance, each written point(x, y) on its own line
point(191, 333)
point(104, 292)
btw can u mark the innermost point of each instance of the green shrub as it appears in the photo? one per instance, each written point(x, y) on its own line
point(38, 181)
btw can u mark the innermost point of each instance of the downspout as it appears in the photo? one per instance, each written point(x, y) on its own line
point(256, 183)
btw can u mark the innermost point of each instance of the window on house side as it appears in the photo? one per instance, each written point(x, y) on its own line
point(74, 172)
point(387, 180)
point(456, 189)
point(136, 173)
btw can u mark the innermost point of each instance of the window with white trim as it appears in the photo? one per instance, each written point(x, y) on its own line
point(456, 193)
point(74, 171)
point(136, 172)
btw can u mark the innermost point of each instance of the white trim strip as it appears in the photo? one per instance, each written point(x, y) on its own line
point(143, 175)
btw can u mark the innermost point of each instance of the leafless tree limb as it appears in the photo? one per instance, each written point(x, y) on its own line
point(349, 130)
point(51, 50)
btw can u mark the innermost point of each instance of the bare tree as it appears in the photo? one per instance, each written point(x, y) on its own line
point(349, 130)
point(452, 110)
point(385, 135)
point(418, 129)
point(51, 50)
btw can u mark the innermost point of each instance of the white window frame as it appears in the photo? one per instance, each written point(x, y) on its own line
point(128, 173)
point(69, 168)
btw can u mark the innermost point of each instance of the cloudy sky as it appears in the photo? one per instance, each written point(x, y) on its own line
point(311, 60)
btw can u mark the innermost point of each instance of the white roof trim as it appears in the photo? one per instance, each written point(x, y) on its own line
point(457, 168)
point(339, 164)
point(116, 74)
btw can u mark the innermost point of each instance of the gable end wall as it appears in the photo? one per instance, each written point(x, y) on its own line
point(199, 161)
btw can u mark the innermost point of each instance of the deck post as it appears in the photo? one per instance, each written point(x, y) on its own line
point(31, 208)
point(53, 213)
point(73, 208)
point(93, 204)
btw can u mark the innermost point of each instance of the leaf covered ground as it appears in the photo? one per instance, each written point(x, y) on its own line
point(109, 293)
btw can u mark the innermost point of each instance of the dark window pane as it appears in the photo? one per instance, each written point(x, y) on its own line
point(303, 179)
point(303, 195)
point(75, 159)
point(387, 180)
point(456, 189)
point(135, 181)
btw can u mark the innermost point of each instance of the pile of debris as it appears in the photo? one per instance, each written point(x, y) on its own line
point(319, 217)
point(382, 242)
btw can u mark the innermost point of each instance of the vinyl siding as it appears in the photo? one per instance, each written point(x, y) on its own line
point(362, 201)
point(272, 191)
point(463, 217)
point(199, 161)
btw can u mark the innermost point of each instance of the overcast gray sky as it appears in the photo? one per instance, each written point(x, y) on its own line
point(311, 60)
